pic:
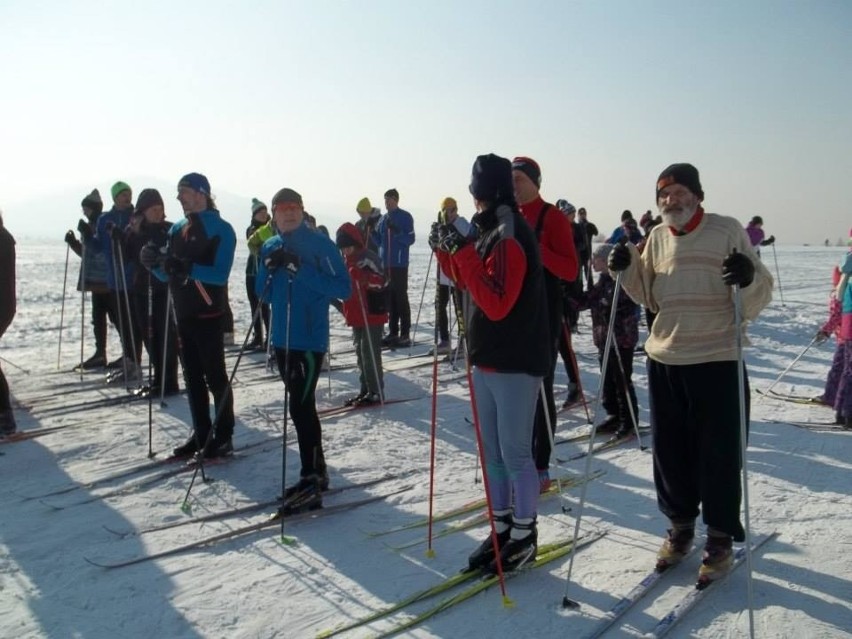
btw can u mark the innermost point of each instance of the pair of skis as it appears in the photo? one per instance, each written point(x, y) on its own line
point(547, 553)
point(241, 531)
point(686, 603)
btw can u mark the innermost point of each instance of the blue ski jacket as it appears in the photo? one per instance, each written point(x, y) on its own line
point(120, 218)
point(396, 228)
point(321, 278)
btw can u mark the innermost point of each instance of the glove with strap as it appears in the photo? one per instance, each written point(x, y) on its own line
point(281, 257)
point(177, 268)
point(85, 230)
point(769, 240)
point(150, 255)
point(434, 236)
point(70, 238)
point(619, 257)
point(737, 269)
point(450, 239)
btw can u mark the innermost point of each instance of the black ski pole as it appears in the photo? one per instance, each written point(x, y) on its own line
point(151, 347)
point(62, 311)
point(287, 315)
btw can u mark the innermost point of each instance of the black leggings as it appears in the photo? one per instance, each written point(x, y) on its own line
point(301, 382)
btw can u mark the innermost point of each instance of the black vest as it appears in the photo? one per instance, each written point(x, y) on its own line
point(518, 343)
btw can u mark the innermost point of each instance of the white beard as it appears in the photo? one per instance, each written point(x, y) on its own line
point(678, 217)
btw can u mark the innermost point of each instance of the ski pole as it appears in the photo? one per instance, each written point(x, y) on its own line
point(430, 552)
point(566, 601)
point(82, 305)
point(576, 369)
point(133, 352)
point(624, 382)
point(288, 312)
point(122, 329)
point(14, 365)
point(793, 363)
point(151, 347)
point(420, 306)
point(743, 452)
point(778, 274)
point(62, 311)
point(220, 409)
point(163, 365)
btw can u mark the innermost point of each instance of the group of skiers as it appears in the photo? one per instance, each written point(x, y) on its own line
point(515, 274)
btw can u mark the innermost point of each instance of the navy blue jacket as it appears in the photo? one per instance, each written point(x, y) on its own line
point(396, 229)
point(120, 219)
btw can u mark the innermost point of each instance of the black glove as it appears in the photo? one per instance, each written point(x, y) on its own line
point(737, 269)
point(117, 234)
point(769, 240)
point(85, 229)
point(450, 239)
point(393, 227)
point(177, 268)
point(820, 337)
point(619, 257)
point(434, 236)
point(281, 257)
point(150, 255)
point(70, 238)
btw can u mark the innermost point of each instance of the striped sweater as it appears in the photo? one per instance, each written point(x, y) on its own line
point(680, 279)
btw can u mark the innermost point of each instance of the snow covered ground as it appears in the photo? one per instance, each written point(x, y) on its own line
point(254, 586)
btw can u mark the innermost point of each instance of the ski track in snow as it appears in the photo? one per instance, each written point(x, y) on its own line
point(255, 587)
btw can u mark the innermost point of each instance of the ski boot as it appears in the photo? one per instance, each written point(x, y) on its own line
point(520, 549)
point(484, 554)
point(717, 560)
point(676, 545)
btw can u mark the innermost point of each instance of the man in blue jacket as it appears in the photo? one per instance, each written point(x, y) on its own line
point(396, 229)
point(197, 263)
point(300, 272)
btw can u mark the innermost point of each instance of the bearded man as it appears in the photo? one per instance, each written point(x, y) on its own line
point(685, 275)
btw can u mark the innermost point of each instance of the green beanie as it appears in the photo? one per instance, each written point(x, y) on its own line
point(117, 188)
point(256, 205)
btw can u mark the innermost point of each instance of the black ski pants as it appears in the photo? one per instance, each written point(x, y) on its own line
point(154, 337)
point(203, 359)
point(301, 383)
point(254, 300)
point(102, 309)
point(399, 310)
point(695, 420)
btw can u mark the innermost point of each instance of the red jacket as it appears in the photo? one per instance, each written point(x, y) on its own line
point(368, 284)
point(556, 239)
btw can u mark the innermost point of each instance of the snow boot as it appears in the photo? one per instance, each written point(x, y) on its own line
point(98, 360)
point(676, 545)
point(187, 449)
point(303, 496)
point(520, 549)
point(608, 425)
point(404, 341)
point(370, 399)
point(544, 481)
point(484, 554)
point(219, 448)
point(718, 557)
point(7, 423)
point(353, 401)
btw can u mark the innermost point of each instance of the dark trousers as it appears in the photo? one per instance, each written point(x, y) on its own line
point(130, 333)
point(442, 301)
point(203, 359)
point(301, 382)
point(695, 418)
point(154, 334)
point(399, 311)
point(5, 400)
point(229, 314)
point(263, 320)
point(619, 395)
point(102, 309)
point(541, 440)
point(566, 351)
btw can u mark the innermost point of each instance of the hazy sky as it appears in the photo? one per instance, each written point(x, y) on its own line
point(339, 100)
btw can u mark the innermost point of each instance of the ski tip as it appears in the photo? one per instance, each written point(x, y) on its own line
point(570, 603)
point(702, 583)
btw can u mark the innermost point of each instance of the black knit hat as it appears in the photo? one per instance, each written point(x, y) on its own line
point(528, 167)
point(147, 198)
point(491, 179)
point(683, 174)
point(93, 201)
